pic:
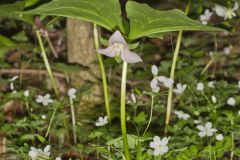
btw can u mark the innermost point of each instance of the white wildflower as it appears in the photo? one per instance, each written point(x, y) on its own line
point(72, 93)
point(200, 86)
point(26, 93)
point(45, 100)
point(206, 130)
point(211, 84)
point(231, 101)
point(214, 99)
point(101, 121)
point(160, 146)
point(43, 116)
point(133, 98)
point(204, 18)
point(167, 82)
point(180, 88)
point(35, 153)
point(227, 13)
point(219, 137)
point(226, 50)
point(182, 115)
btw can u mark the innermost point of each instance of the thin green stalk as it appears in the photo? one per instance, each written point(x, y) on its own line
point(47, 65)
point(232, 148)
point(73, 121)
point(172, 73)
point(103, 74)
point(123, 111)
point(151, 113)
point(50, 123)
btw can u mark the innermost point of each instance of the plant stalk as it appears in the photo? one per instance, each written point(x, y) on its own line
point(172, 72)
point(123, 111)
point(73, 120)
point(151, 113)
point(50, 123)
point(103, 74)
point(47, 65)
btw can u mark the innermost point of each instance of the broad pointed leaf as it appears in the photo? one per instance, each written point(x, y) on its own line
point(145, 21)
point(106, 13)
point(13, 10)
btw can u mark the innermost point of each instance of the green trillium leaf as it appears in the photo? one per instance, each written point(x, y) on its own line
point(146, 21)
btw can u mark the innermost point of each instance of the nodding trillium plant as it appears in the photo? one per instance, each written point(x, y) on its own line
point(204, 18)
point(45, 100)
point(180, 88)
point(206, 130)
point(182, 115)
point(119, 48)
point(226, 13)
point(101, 121)
point(160, 146)
point(36, 154)
point(72, 93)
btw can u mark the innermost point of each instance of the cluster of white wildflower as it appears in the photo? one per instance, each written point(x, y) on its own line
point(182, 115)
point(159, 145)
point(101, 121)
point(207, 131)
point(200, 86)
point(38, 153)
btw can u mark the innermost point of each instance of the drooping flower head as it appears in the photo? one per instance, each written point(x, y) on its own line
point(118, 47)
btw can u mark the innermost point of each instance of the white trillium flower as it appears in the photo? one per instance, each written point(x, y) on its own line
point(160, 146)
point(119, 47)
point(133, 98)
point(214, 99)
point(182, 115)
point(211, 84)
point(226, 50)
point(200, 86)
point(231, 101)
point(45, 100)
point(58, 158)
point(219, 137)
point(204, 18)
point(206, 130)
point(180, 88)
point(226, 13)
point(26, 93)
point(72, 93)
point(101, 121)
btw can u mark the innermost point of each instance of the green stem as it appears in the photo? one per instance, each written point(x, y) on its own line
point(47, 65)
point(73, 121)
point(150, 119)
point(232, 148)
point(103, 74)
point(50, 123)
point(172, 73)
point(123, 111)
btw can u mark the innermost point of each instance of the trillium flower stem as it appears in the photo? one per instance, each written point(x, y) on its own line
point(123, 111)
point(172, 73)
point(47, 65)
point(103, 74)
point(73, 120)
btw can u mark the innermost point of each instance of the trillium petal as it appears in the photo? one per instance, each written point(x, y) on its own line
point(157, 139)
point(162, 78)
point(156, 89)
point(154, 70)
point(107, 51)
point(153, 145)
point(130, 57)
point(47, 149)
point(220, 10)
point(117, 38)
point(164, 149)
point(236, 6)
point(157, 152)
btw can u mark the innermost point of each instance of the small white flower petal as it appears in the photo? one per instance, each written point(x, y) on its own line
point(130, 57)
point(107, 51)
point(219, 137)
point(117, 38)
point(154, 70)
